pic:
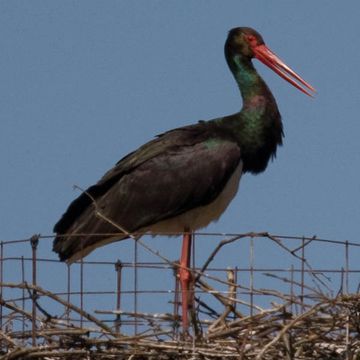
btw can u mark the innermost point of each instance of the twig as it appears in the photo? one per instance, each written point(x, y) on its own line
point(63, 302)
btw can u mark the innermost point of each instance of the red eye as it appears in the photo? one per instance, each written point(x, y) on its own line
point(251, 39)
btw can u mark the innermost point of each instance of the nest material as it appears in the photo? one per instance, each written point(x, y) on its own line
point(329, 329)
point(313, 324)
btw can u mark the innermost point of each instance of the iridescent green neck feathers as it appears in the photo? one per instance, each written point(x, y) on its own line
point(257, 127)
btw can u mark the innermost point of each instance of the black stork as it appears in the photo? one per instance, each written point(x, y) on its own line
point(185, 178)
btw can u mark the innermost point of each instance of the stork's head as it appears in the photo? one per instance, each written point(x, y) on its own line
point(247, 43)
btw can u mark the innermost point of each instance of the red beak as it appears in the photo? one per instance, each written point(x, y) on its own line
point(267, 57)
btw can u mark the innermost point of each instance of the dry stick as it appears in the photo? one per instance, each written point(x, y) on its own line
point(306, 243)
point(231, 304)
point(37, 305)
point(15, 308)
point(63, 302)
point(36, 352)
point(292, 252)
point(211, 350)
point(157, 333)
point(7, 339)
point(54, 331)
point(313, 337)
point(52, 321)
point(57, 332)
point(207, 309)
point(288, 346)
point(284, 279)
point(286, 328)
point(224, 299)
point(234, 326)
point(165, 316)
point(217, 249)
point(285, 297)
point(20, 353)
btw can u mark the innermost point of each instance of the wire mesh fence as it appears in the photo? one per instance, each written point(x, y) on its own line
point(255, 296)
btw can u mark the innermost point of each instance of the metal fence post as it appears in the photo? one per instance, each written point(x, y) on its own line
point(34, 241)
point(118, 269)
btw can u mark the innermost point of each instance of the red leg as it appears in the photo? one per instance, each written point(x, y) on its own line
point(185, 278)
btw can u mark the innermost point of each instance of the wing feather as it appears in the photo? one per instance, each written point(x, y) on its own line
point(181, 170)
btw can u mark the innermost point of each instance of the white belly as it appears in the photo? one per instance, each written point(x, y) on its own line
point(202, 216)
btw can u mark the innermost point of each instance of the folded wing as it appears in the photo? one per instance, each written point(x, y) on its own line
point(181, 170)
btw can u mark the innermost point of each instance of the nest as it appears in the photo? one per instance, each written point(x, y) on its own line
point(330, 329)
point(305, 322)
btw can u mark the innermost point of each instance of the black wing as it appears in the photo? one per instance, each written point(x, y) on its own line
point(181, 170)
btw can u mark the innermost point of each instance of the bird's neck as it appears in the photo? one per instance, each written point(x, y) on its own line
point(257, 127)
point(250, 83)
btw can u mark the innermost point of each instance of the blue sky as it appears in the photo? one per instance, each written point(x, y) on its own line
point(85, 82)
